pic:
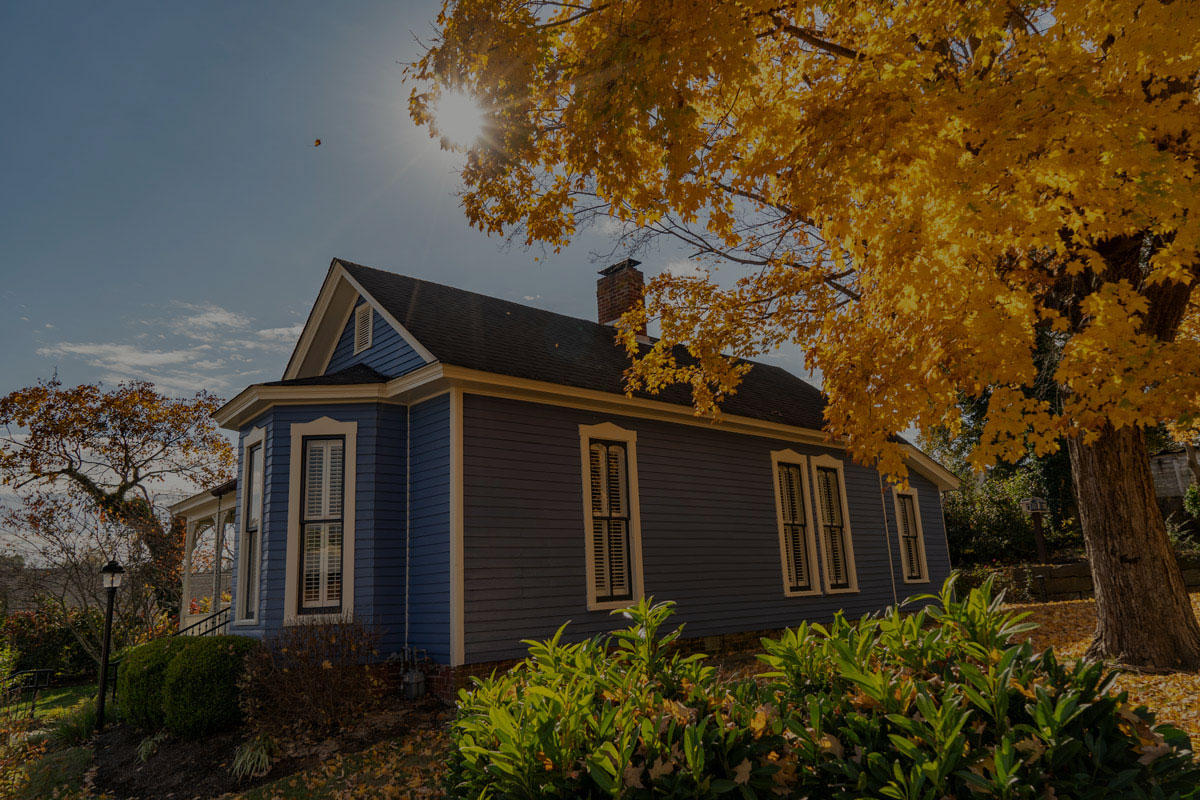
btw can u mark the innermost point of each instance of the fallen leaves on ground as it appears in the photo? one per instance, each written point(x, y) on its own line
point(1068, 627)
point(409, 766)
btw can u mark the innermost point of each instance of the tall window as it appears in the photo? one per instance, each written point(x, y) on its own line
point(613, 554)
point(321, 523)
point(609, 470)
point(912, 538)
point(251, 532)
point(836, 546)
point(795, 523)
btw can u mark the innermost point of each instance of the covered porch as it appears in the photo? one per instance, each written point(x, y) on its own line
point(209, 522)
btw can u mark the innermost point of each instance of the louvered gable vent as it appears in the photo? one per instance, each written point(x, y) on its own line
point(363, 324)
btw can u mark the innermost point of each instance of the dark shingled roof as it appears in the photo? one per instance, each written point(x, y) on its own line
point(358, 373)
point(474, 331)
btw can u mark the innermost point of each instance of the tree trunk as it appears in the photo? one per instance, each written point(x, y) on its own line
point(1145, 618)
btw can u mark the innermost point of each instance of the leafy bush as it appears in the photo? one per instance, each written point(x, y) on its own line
point(946, 702)
point(142, 675)
point(580, 720)
point(44, 640)
point(1191, 500)
point(312, 676)
point(200, 693)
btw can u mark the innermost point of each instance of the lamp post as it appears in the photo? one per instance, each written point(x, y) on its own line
point(110, 576)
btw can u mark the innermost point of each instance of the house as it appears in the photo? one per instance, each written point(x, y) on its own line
point(465, 472)
point(1171, 474)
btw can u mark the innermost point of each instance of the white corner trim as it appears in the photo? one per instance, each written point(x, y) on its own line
point(826, 460)
point(611, 432)
point(324, 426)
point(896, 494)
point(792, 457)
point(457, 578)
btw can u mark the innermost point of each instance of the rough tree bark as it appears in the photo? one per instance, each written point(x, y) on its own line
point(1144, 616)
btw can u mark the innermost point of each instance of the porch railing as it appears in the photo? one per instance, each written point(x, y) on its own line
point(211, 625)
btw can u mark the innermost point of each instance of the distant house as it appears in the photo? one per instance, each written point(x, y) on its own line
point(465, 472)
point(1172, 476)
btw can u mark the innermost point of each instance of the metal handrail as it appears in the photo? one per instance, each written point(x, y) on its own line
point(27, 680)
point(208, 626)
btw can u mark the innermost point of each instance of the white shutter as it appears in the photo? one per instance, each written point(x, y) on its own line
point(333, 564)
point(363, 322)
point(314, 479)
point(312, 565)
point(335, 477)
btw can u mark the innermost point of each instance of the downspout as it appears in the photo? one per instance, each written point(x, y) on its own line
point(407, 511)
point(887, 537)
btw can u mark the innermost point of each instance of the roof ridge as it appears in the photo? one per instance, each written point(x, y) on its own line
point(538, 309)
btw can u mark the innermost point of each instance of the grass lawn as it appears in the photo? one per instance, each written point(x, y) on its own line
point(1068, 627)
point(53, 701)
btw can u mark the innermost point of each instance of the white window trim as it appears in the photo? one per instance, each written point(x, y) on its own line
point(911, 491)
point(792, 457)
point(611, 432)
point(826, 460)
point(248, 585)
point(365, 314)
point(291, 596)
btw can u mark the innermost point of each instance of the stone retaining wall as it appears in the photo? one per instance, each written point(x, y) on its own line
point(1049, 582)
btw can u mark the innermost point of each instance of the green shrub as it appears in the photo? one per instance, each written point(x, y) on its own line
point(581, 720)
point(945, 702)
point(44, 640)
point(200, 692)
point(140, 680)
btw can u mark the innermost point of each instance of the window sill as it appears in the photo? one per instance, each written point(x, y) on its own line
point(321, 618)
point(917, 580)
point(613, 605)
point(808, 593)
point(850, 590)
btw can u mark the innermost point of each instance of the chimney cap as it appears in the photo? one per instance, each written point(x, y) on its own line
point(628, 263)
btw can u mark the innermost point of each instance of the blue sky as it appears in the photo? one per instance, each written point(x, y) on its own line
point(165, 214)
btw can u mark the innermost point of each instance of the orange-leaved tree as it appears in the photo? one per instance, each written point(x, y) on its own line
point(912, 192)
point(89, 468)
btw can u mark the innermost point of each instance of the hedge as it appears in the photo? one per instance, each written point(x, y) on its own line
point(200, 690)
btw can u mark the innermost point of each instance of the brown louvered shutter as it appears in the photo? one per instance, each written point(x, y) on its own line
point(608, 492)
point(795, 527)
point(909, 539)
point(834, 533)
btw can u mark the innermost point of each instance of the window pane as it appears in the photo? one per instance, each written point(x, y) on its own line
point(618, 554)
point(596, 478)
point(333, 564)
point(335, 475)
point(314, 480)
point(311, 587)
point(254, 473)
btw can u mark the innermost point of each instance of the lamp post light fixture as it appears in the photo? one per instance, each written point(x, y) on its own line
point(110, 579)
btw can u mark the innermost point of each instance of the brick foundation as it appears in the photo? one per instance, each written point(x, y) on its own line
point(443, 681)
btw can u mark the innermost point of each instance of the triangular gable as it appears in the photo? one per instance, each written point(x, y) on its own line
point(328, 319)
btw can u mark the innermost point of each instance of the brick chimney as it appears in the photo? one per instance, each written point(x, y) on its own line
point(619, 289)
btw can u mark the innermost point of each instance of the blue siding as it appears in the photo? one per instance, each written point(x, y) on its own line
point(388, 353)
point(372, 533)
point(709, 535)
point(388, 556)
point(429, 574)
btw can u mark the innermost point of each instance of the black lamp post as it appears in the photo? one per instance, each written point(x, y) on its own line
point(110, 575)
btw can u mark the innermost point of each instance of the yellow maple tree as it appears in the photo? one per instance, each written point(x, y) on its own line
point(913, 193)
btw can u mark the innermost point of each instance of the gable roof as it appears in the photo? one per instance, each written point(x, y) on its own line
point(469, 337)
point(475, 331)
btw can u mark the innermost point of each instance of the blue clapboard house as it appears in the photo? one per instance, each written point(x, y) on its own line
point(463, 472)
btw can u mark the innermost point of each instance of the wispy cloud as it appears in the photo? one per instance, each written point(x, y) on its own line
point(685, 268)
point(208, 347)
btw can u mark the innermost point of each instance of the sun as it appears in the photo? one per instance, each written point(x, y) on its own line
point(458, 119)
